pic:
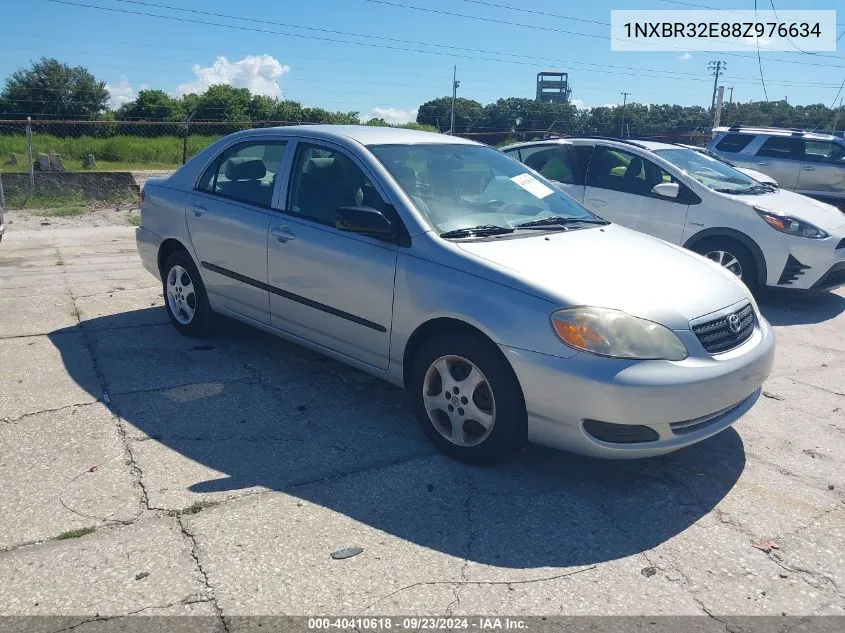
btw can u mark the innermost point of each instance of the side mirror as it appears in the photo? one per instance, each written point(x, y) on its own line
point(365, 220)
point(667, 189)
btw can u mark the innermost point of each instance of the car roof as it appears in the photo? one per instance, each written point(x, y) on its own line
point(774, 131)
point(372, 135)
point(545, 141)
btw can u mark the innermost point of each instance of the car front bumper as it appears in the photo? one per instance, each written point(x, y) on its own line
point(811, 264)
point(674, 403)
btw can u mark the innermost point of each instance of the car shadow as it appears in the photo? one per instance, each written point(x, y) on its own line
point(795, 307)
point(331, 435)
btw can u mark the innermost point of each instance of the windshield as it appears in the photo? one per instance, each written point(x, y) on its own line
point(710, 172)
point(462, 186)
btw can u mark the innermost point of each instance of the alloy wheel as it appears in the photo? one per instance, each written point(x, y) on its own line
point(181, 296)
point(727, 260)
point(459, 401)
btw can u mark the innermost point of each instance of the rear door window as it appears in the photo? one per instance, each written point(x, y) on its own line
point(554, 163)
point(245, 172)
point(734, 142)
point(781, 147)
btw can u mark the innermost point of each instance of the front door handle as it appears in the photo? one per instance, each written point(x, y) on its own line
point(808, 168)
point(763, 162)
point(283, 234)
point(198, 210)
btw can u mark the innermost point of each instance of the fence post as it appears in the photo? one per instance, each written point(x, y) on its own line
point(2, 195)
point(185, 141)
point(29, 156)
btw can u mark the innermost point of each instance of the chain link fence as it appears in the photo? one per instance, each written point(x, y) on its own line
point(103, 162)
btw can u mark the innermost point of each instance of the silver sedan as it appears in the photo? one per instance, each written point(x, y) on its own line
point(507, 310)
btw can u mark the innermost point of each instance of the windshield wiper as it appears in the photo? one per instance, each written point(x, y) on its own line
point(756, 189)
point(558, 221)
point(478, 231)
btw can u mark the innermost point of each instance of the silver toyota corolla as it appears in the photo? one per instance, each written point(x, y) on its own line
point(508, 311)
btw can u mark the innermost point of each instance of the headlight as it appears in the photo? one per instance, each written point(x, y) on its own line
point(614, 333)
point(787, 224)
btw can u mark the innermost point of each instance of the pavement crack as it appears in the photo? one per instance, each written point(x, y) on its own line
point(51, 410)
point(193, 548)
point(464, 583)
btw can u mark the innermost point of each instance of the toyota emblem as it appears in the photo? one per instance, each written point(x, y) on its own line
point(734, 323)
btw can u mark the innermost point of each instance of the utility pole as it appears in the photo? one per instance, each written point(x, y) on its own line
point(622, 127)
point(716, 67)
point(730, 103)
point(455, 84)
point(836, 120)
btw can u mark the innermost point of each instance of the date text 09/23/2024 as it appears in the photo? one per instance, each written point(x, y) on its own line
point(417, 623)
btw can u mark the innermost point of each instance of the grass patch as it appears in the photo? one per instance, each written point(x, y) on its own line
point(60, 262)
point(74, 533)
point(134, 219)
point(115, 153)
point(68, 203)
point(196, 507)
point(76, 313)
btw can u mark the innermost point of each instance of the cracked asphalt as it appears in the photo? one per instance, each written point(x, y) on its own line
point(144, 472)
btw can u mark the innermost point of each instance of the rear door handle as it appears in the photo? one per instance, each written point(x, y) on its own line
point(198, 210)
point(808, 168)
point(282, 234)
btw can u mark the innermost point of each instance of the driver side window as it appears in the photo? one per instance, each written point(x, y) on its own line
point(620, 170)
point(323, 180)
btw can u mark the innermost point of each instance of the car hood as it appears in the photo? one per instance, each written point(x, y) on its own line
point(823, 215)
point(614, 267)
point(759, 176)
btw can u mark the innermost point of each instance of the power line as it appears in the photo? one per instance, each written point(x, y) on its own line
point(759, 61)
point(540, 27)
point(662, 74)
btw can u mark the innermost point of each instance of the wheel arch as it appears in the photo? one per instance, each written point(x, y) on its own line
point(433, 327)
point(166, 249)
point(737, 236)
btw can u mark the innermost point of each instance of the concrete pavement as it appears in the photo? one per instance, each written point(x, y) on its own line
point(143, 472)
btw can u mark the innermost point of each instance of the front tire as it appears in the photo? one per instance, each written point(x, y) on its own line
point(732, 256)
point(185, 297)
point(467, 399)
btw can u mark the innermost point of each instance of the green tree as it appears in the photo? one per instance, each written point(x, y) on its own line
point(152, 105)
point(437, 112)
point(50, 89)
point(377, 122)
point(222, 102)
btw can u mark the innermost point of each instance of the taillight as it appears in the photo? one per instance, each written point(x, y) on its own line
point(141, 197)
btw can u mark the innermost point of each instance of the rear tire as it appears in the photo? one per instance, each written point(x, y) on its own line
point(467, 399)
point(185, 298)
point(733, 256)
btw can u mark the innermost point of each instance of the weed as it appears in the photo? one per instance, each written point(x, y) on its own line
point(75, 533)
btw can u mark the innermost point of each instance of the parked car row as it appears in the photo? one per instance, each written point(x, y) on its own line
point(509, 310)
point(763, 234)
point(809, 163)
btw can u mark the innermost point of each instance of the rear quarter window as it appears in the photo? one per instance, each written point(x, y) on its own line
point(734, 142)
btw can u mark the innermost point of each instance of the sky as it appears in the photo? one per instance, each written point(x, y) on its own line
point(384, 58)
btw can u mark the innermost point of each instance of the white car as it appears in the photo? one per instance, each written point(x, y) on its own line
point(764, 235)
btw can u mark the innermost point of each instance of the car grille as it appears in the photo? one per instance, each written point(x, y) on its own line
point(716, 336)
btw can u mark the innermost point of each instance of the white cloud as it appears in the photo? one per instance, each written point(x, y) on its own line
point(762, 42)
point(578, 103)
point(121, 93)
point(259, 73)
point(685, 57)
point(391, 115)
